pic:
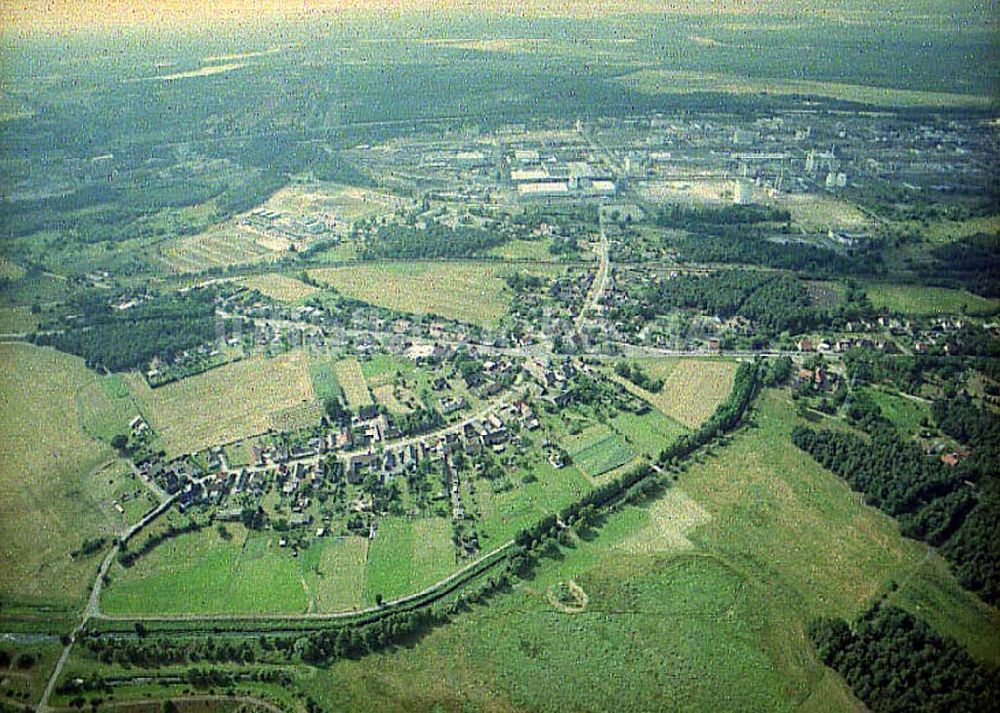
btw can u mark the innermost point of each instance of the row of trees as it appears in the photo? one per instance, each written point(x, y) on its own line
point(895, 662)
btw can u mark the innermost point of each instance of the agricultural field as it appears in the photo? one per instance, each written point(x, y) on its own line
point(339, 203)
point(324, 383)
point(46, 511)
point(666, 81)
point(219, 246)
point(408, 555)
point(386, 396)
point(471, 292)
point(24, 678)
point(692, 388)
point(648, 433)
point(206, 573)
point(106, 408)
point(17, 320)
point(280, 287)
point(922, 300)
point(523, 250)
point(349, 376)
point(334, 572)
point(818, 213)
point(224, 404)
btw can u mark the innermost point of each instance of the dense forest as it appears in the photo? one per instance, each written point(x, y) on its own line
point(973, 261)
point(123, 339)
point(773, 303)
point(435, 241)
point(895, 662)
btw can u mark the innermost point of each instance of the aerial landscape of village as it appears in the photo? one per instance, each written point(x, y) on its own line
point(518, 357)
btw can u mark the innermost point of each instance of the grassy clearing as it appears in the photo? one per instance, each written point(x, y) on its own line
point(386, 396)
point(523, 250)
point(408, 555)
point(204, 573)
point(106, 408)
point(471, 292)
point(352, 381)
point(663, 81)
point(816, 212)
point(334, 571)
point(219, 246)
point(280, 287)
point(921, 300)
point(668, 521)
point(905, 414)
point(601, 456)
point(45, 509)
point(224, 404)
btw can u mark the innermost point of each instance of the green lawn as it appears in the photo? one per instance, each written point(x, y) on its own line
point(905, 414)
point(324, 382)
point(408, 555)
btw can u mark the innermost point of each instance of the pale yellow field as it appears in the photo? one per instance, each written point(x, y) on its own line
point(817, 212)
point(45, 459)
point(661, 81)
point(352, 381)
point(224, 404)
point(671, 518)
point(471, 292)
point(280, 287)
point(345, 204)
point(693, 389)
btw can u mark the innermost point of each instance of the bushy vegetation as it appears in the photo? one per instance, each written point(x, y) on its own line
point(895, 662)
point(973, 261)
point(120, 340)
point(775, 303)
point(636, 374)
point(406, 242)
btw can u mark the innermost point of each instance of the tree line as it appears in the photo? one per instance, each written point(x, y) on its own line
point(407, 242)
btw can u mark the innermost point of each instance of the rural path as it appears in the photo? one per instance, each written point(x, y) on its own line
point(93, 608)
point(600, 283)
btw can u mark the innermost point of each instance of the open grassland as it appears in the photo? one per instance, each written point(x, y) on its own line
point(106, 408)
point(348, 374)
point(921, 300)
point(471, 292)
point(523, 250)
point(118, 492)
point(334, 571)
point(699, 600)
point(24, 685)
point(692, 388)
point(386, 396)
point(17, 320)
point(205, 573)
point(662, 632)
point(46, 511)
point(666, 81)
point(224, 404)
point(817, 212)
point(339, 203)
point(776, 510)
point(408, 555)
point(280, 287)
